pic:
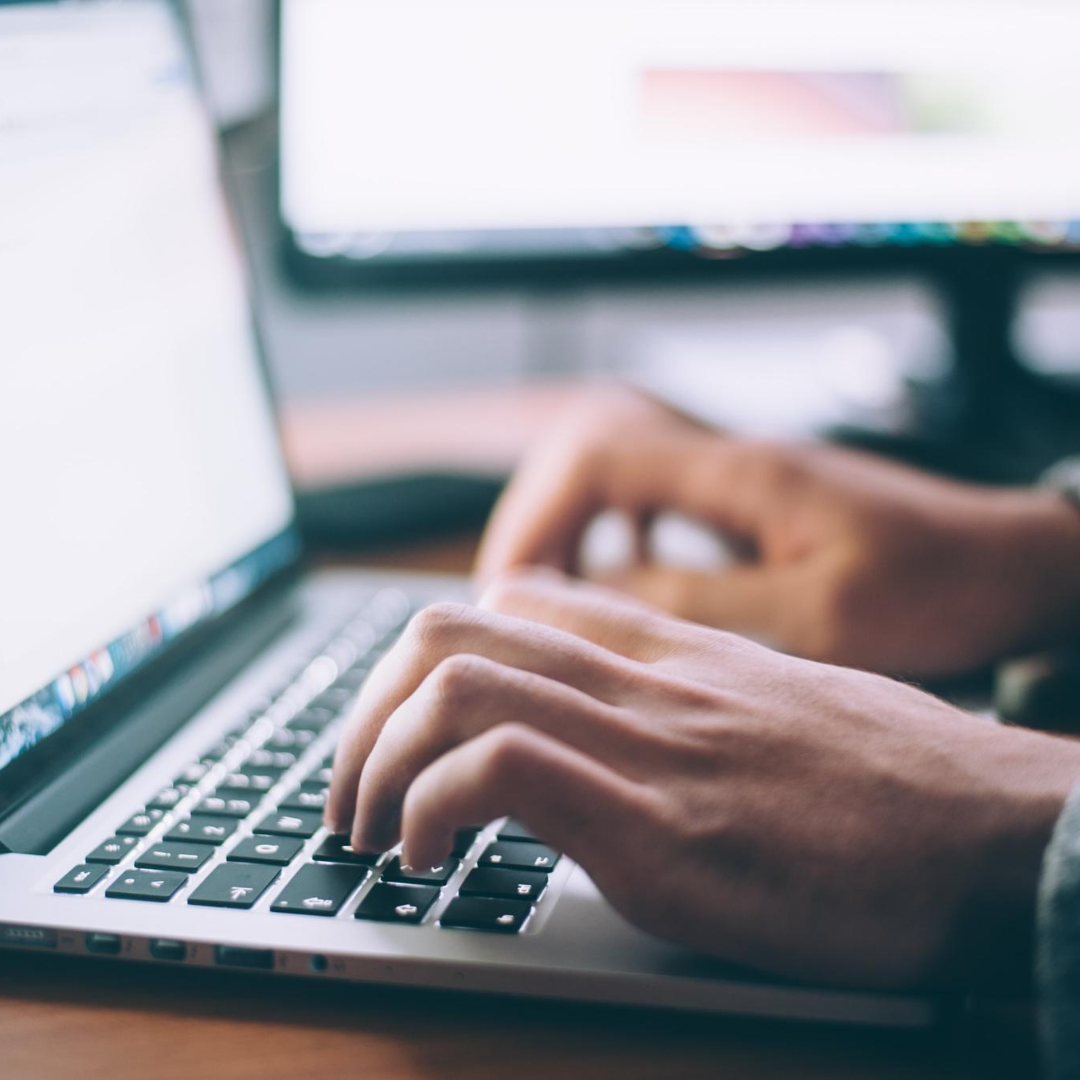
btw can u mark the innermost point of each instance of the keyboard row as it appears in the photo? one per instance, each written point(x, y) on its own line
point(222, 794)
point(498, 894)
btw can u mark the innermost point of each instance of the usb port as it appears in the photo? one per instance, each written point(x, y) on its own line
point(106, 944)
point(230, 956)
point(164, 949)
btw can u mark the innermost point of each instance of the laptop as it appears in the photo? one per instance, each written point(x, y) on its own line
point(172, 682)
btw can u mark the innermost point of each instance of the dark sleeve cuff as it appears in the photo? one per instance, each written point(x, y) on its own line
point(1058, 945)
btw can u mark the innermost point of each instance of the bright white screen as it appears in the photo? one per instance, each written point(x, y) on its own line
point(137, 450)
point(488, 114)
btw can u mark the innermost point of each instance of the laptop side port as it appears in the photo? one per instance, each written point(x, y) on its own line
point(104, 944)
point(232, 956)
point(165, 949)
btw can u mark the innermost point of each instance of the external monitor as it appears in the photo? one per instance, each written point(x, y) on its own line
point(458, 132)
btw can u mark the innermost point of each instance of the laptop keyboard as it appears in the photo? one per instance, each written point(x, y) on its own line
point(243, 822)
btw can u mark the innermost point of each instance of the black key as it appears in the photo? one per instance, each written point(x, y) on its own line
point(355, 677)
point(482, 913)
point(303, 823)
point(307, 796)
point(269, 760)
point(80, 880)
point(236, 807)
point(155, 885)
point(248, 783)
point(333, 700)
point(170, 856)
point(194, 773)
point(408, 875)
point(397, 903)
point(313, 720)
point(319, 889)
point(338, 849)
point(112, 851)
point(141, 823)
point(290, 740)
point(520, 855)
point(514, 830)
point(463, 841)
point(234, 885)
point(278, 851)
point(505, 884)
point(224, 745)
point(227, 791)
point(203, 830)
point(168, 797)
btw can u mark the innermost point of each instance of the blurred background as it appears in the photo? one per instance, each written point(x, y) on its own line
point(793, 218)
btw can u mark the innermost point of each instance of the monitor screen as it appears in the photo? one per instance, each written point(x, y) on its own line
point(472, 128)
point(142, 490)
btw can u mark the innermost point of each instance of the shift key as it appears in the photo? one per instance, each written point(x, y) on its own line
point(319, 890)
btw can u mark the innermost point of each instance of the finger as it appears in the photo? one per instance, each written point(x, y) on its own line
point(461, 699)
point(542, 515)
point(604, 616)
point(576, 804)
point(754, 600)
point(733, 484)
point(444, 630)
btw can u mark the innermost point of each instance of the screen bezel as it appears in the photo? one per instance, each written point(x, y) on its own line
point(36, 767)
point(646, 267)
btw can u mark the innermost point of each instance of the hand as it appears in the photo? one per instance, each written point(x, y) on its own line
point(852, 559)
point(810, 821)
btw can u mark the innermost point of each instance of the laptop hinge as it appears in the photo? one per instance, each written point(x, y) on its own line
point(36, 825)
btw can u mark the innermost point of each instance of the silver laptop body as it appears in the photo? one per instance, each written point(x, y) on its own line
point(157, 643)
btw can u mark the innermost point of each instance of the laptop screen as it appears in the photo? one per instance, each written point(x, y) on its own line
point(142, 490)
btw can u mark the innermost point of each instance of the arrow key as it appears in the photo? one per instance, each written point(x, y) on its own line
point(154, 885)
point(397, 903)
point(234, 885)
point(319, 890)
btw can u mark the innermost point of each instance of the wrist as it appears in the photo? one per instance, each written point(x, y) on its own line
point(1039, 564)
point(1029, 780)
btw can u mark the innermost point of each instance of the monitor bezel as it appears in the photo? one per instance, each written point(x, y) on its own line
point(647, 267)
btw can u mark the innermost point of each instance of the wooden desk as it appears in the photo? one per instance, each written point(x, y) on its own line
point(62, 1018)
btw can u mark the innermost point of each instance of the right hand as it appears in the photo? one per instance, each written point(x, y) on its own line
point(854, 560)
point(806, 820)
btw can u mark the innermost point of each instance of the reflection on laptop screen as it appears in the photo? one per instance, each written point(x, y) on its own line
point(142, 488)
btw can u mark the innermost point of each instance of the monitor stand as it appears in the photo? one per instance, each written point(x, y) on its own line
point(992, 419)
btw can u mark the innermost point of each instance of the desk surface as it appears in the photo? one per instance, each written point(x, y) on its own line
point(62, 1017)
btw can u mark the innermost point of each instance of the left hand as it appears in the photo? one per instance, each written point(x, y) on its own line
point(807, 820)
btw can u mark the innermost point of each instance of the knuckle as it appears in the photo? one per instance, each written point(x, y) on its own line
point(774, 463)
point(438, 623)
point(457, 681)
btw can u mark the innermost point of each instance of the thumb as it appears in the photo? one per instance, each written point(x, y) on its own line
point(748, 599)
